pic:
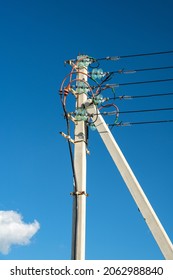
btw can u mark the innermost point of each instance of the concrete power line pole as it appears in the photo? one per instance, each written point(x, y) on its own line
point(80, 148)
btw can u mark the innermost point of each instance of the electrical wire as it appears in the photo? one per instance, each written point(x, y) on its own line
point(114, 58)
point(123, 71)
point(137, 111)
point(73, 172)
point(137, 83)
point(116, 112)
point(147, 54)
point(124, 124)
point(69, 144)
point(128, 97)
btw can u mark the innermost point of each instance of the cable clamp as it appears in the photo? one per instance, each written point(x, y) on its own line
point(79, 193)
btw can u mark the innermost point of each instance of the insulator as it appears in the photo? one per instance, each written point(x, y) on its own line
point(83, 62)
point(97, 74)
point(98, 99)
point(92, 126)
point(81, 114)
point(81, 87)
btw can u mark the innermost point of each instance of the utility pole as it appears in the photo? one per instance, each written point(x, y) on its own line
point(133, 185)
point(87, 110)
point(80, 148)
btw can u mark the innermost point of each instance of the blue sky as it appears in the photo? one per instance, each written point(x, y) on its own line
point(36, 178)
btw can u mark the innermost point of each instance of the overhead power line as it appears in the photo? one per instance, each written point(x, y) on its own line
point(141, 122)
point(137, 83)
point(136, 111)
point(114, 58)
point(128, 97)
point(123, 71)
point(147, 82)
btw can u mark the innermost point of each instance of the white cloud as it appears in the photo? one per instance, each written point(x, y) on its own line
point(14, 231)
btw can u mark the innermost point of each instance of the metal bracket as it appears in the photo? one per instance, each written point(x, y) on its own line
point(67, 137)
point(73, 92)
point(79, 193)
point(70, 117)
point(73, 141)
